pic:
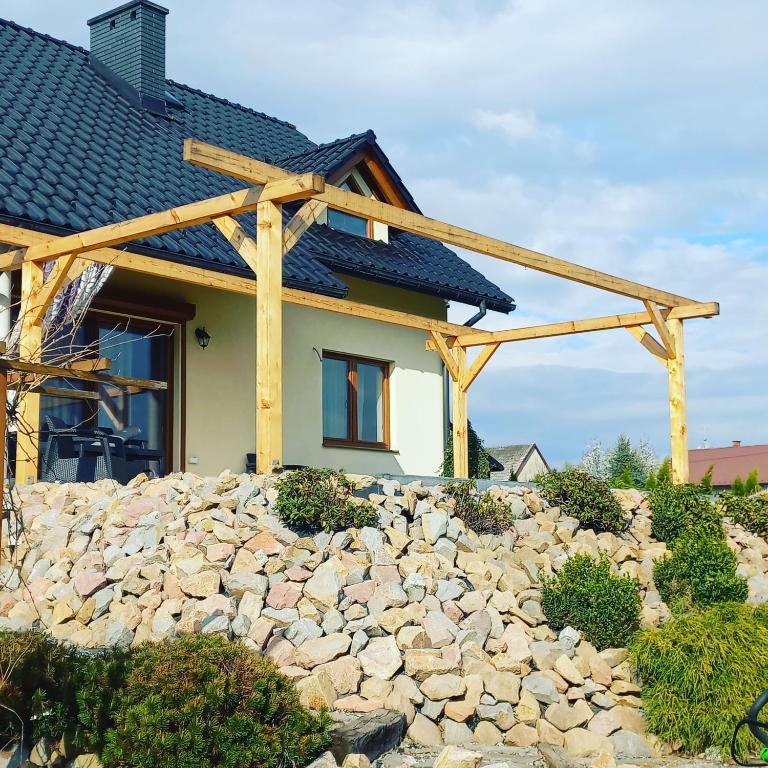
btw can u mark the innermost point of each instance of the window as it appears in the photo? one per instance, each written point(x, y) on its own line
point(355, 401)
point(347, 222)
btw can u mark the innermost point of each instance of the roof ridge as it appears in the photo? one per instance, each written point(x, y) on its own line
point(235, 104)
point(44, 35)
point(363, 134)
point(86, 52)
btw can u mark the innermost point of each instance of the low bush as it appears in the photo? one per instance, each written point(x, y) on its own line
point(584, 497)
point(205, 701)
point(587, 596)
point(700, 572)
point(749, 511)
point(701, 673)
point(680, 508)
point(480, 511)
point(38, 681)
point(321, 499)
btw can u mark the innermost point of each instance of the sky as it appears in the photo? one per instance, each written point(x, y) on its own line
point(627, 136)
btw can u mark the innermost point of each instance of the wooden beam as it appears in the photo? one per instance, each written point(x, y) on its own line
point(486, 353)
point(207, 278)
point(649, 342)
point(255, 171)
point(30, 350)
point(52, 285)
point(661, 328)
point(269, 338)
point(286, 189)
point(43, 370)
point(477, 338)
point(293, 188)
point(92, 364)
point(301, 221)
point(678, 419)
point(446, 355)
point(460, 418)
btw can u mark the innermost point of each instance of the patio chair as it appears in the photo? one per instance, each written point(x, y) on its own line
point(75, 455)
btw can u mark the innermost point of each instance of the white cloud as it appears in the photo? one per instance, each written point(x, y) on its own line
point(516, 125)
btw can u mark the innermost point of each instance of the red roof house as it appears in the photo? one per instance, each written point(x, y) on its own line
point(729, 463)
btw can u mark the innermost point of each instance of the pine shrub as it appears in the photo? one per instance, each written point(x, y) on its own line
point(321, 499)
point(204, 701)
point(584, 497)
point(38, 681)
point(700, 674)
point(480, 511)
point(680, 508)
point(749, 511)
point(700, 572)
point(479, 465)
point(587, 596)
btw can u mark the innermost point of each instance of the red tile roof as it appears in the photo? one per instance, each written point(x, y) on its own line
point(736, 460)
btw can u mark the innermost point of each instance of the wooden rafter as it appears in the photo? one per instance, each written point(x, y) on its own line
point(486, 353)
point(200, 212)
point(257, 172)
point(647, 340)
point(478, 338)
point(661, 328)
point(446, 354)
point(301, 221)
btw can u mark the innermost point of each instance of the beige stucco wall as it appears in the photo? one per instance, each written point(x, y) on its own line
point(220, 380)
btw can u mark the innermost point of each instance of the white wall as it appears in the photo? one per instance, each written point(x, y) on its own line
point(221, 380)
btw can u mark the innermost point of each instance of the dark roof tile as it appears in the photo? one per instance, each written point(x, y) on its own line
point(76, 154)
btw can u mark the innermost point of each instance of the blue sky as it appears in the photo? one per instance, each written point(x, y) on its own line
point(628, 136)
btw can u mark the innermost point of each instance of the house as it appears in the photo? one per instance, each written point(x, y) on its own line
point(246, 287)
point(525, 460)
point(728, 463)
point(92, 137)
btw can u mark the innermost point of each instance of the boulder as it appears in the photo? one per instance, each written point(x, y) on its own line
point(370, 734)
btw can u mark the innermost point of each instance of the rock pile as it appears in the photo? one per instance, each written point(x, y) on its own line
point(419, 615)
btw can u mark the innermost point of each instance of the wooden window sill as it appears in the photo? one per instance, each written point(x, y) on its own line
point(358, 446)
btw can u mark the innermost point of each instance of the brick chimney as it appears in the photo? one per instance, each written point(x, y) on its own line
point(128, 48)
point(736, 444)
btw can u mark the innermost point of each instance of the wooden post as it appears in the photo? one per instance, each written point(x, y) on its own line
point(269, 337)
point(3, 448)
point(678, 421)
point(30, 350)
point(460, 416)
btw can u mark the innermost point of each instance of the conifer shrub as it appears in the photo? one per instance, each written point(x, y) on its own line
point(321, 499)
point(677, 509)
point(749, 511)
point(586, 595)
point(584, 497)
point(480, 511)
point(479, 464)
point(700, 674)
point(38, 682)
point(205, 701)
point(700, 572)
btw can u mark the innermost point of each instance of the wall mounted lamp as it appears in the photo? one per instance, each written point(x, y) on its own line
point(203, 337)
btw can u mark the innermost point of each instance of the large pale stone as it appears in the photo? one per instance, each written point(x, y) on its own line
point(521, 735)
point(381, 658)
point(434, 525)
point(201, 584)
point(503, 686)
point(456, 757)
point(325, 584)
point(423, 731)
point(321, 650)
point(564, 717)
point(567, 669)
point(316, 691)
point(439, 687)
point(345, 674)
point(579, 742)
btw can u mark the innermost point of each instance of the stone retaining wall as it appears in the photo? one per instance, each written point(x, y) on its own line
point(419, 615)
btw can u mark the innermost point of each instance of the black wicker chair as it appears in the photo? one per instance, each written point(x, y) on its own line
point(75, 455)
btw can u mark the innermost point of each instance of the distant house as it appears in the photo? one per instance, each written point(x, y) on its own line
point(729, 463)
point(525, 460)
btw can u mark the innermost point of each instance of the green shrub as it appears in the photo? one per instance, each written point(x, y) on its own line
point(680, 508)
point(700, 572)
point(204, 701)
point(479, 466)
point(480, 511)
point(584, 497)
point(37, 686)
point(749, 511)
point(321, 499)
point(701, 673)
point(587, 596)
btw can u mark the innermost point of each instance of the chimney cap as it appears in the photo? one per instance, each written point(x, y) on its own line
point(125, 7)
point(736, 444)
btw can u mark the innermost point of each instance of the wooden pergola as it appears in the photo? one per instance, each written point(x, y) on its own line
point(269, 188)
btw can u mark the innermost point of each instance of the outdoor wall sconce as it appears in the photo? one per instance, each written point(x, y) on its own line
point(203, 337)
